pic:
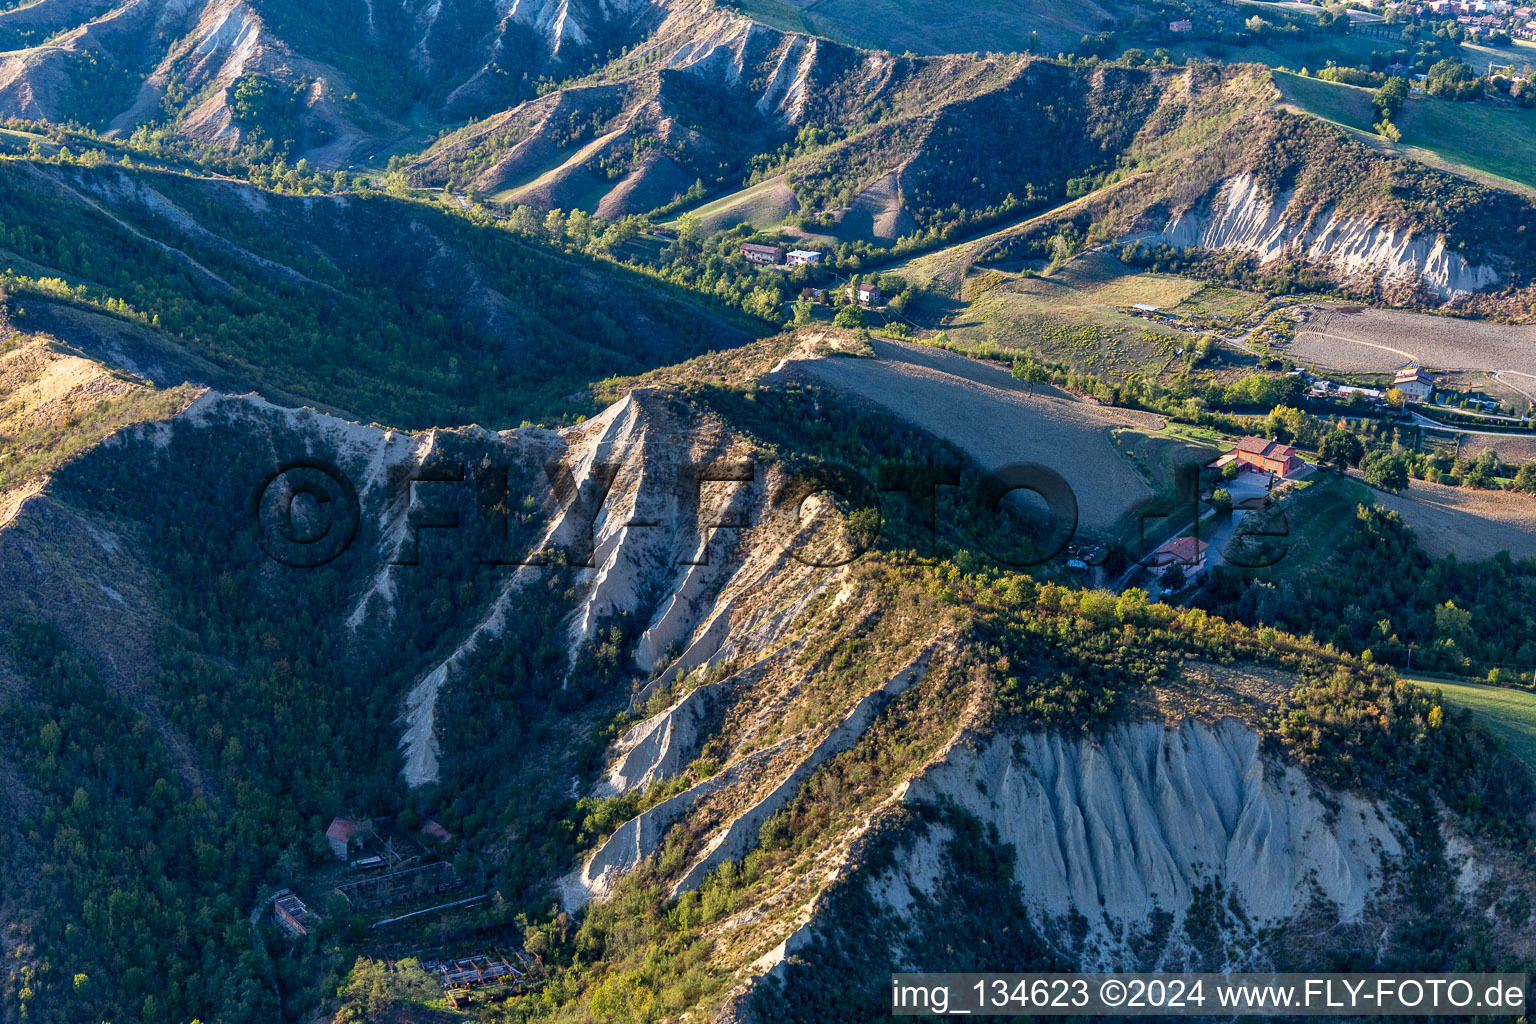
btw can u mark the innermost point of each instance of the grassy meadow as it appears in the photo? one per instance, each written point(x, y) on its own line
point(1486, 137)
point(1509, 713)
point(935, 26)
point(763, 205)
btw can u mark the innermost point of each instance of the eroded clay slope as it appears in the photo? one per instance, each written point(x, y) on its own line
point(1241, 217)
point(1118, 828)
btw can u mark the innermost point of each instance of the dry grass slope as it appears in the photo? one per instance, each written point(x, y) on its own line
point(54, 405)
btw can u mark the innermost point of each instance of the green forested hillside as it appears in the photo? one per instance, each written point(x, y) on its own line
point(160, 791)
point(1457, 616)
point(931, 150)
point(1204, 134)
point(1041, 131)
point(969, 136)
point(396, 312)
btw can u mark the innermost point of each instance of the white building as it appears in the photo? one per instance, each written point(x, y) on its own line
point(1413, 382)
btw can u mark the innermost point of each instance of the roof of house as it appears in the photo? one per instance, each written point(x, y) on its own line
point(290, 902)
point(805, 253)
point(343, 829)
point(1412, 375)
point(1265, 448)
point(765, 249)
point(1221, 460)
point(1184, 549)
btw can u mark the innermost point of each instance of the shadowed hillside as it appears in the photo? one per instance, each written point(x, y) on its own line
point(394, 311)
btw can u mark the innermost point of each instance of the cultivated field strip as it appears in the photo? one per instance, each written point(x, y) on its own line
point(1380, 341)
point(997, 420)
point(1472, 524)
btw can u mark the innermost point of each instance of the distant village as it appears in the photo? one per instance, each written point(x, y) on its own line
point(1479, 17)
